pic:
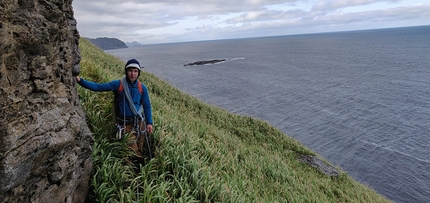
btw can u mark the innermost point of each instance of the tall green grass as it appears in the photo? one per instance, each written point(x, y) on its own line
point(202, 153)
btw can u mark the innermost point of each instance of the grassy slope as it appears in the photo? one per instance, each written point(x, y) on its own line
point(203, 153)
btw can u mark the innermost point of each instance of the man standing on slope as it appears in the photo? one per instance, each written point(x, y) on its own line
point(132, 105)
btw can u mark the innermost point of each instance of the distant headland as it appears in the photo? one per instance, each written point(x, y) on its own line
point(106, 43)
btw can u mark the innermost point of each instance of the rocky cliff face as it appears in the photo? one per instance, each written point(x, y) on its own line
point(45, 144)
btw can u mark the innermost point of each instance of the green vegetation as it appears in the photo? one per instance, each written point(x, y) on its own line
point(202, 153)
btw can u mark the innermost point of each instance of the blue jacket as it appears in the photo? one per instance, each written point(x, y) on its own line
point(134, 92)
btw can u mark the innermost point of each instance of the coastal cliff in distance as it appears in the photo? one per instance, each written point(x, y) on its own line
point(106, 43)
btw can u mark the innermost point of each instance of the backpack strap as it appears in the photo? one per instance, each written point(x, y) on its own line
point(120, 88)
point(139, 86)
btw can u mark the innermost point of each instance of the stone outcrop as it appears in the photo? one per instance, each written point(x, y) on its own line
point(199, 63)
point(317, 163)
point(45, 144)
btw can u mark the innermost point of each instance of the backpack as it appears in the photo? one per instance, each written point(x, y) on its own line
point(121, 88)
point(115, 107)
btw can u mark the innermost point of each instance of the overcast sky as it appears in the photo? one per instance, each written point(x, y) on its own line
point(164, 21)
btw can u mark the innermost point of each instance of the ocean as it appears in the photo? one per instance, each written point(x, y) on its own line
point(360, 99)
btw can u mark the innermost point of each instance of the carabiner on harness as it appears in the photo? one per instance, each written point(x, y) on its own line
point(119, 131)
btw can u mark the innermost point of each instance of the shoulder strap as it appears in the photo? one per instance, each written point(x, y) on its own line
point(120, 88)
point(139, 86)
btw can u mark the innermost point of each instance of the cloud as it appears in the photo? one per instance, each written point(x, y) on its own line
point(158, 21)
point(296, 21)
point(268, 15)
point(337, 4)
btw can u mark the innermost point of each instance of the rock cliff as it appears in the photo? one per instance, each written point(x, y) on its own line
point(45, 144)
point(108, 43)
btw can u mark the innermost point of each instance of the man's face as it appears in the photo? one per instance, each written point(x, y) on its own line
point(132, 74)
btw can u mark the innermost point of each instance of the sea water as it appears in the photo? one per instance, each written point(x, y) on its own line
point(360, 99)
